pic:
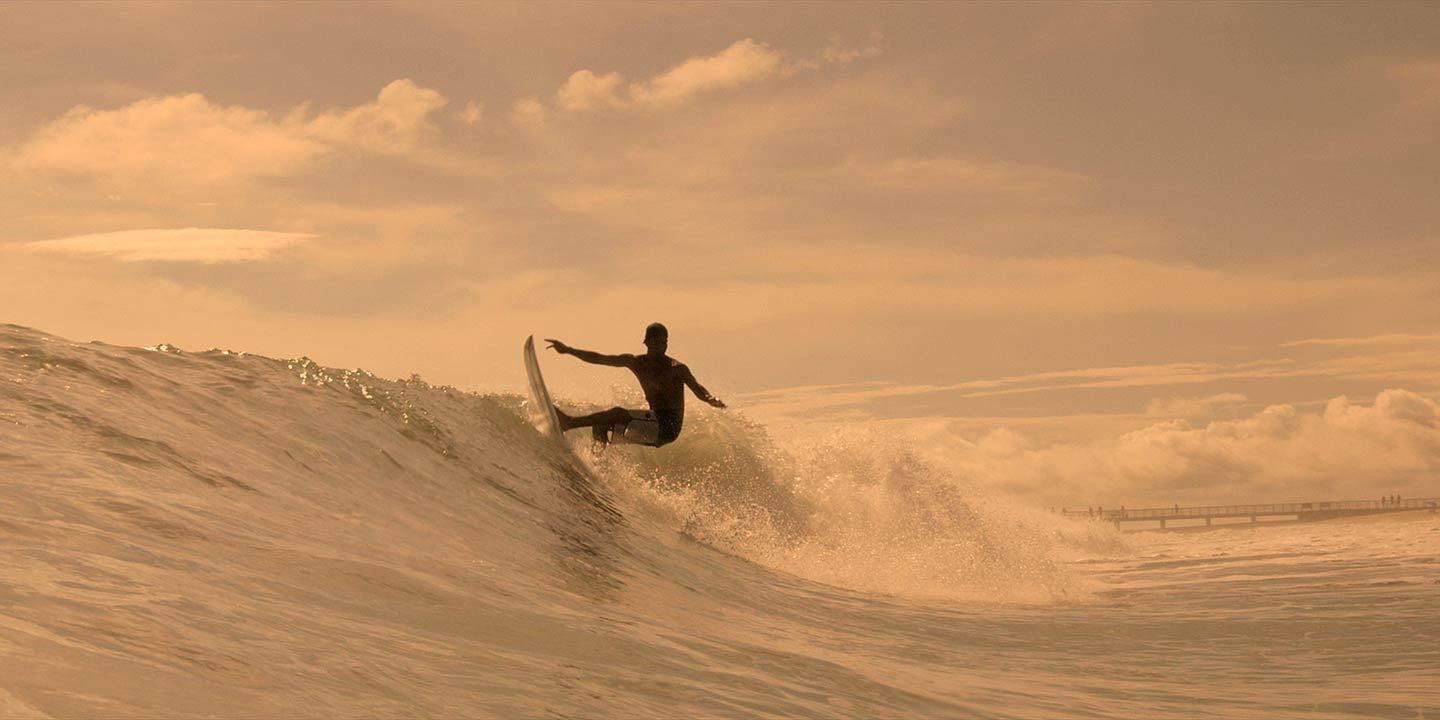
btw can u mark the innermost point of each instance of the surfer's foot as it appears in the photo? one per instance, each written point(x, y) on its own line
point(565, 420)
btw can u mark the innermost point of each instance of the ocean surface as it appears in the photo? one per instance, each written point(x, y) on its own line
point(217, 534)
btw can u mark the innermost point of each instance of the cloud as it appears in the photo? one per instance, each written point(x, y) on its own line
point(585, 90)
point(188, 140)
point(1387, 339)
point(472, 113)
point(202, 245)
point(178, 137)
point(838, 53)
point(392, 125)
point(880, 399)
point(810, 400)
point(1193, 406)
point(528, 113)
point(743, 62)
point(1347, 451)
point(1144, 376)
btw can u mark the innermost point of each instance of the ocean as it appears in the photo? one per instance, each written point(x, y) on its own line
point(220, 534)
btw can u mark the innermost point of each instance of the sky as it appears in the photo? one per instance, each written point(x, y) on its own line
point(1190, 248)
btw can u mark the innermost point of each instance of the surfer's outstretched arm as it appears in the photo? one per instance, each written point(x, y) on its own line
point(593, 358)
point(700, 390)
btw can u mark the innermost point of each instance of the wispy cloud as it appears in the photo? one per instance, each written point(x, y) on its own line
point(529, 114)
point(870, 398)
point(743, 62)
point(198, 245)
point(1140, 376)
point(1388, 339)
point(839, 53)
point(190, 140)
point(810, 398)
point(1191, 406)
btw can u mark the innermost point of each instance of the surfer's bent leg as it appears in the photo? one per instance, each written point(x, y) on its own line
point(605, 418)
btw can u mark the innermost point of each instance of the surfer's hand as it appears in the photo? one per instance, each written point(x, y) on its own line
point(558, 346)
point(717, 402)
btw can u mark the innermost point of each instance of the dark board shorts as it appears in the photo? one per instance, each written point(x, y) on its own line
point(670, 423)
point(652, 427)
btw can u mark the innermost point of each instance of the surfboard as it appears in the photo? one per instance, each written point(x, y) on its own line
point(542, 410)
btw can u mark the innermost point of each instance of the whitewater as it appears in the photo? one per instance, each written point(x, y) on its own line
point(220, 534)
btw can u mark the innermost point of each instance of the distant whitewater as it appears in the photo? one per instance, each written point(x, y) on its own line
point(226, 535)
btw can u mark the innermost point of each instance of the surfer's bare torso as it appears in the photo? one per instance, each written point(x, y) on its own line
point(663, 379)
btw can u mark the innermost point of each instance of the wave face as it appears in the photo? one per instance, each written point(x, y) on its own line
point(223, 534)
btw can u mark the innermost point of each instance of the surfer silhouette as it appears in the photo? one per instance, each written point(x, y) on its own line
point(663, 379)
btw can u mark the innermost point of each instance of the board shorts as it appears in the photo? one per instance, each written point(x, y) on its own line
point(670, 422)
point(654, 427)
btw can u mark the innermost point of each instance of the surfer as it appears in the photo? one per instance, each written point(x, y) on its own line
point(663, 379)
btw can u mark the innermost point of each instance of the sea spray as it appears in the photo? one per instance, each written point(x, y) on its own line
point(859, 509)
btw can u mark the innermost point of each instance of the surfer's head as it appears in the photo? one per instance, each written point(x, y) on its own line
point(657, 338)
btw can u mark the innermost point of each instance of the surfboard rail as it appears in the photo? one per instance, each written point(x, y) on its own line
point(542, 408)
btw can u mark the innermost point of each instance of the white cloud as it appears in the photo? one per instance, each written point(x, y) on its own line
point(187, 140)
point(585, 90)
point(393, 124)
point(182, 136)
point(1280, 453)
point(202, 245)
point(743, 62)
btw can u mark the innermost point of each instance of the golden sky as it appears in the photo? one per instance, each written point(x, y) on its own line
point(1063, 220)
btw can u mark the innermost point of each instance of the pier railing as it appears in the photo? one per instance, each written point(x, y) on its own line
point(1302, 510)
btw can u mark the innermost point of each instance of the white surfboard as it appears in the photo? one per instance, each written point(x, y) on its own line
point(542, 410)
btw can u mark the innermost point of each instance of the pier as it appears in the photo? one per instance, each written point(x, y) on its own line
point(1246, 515)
